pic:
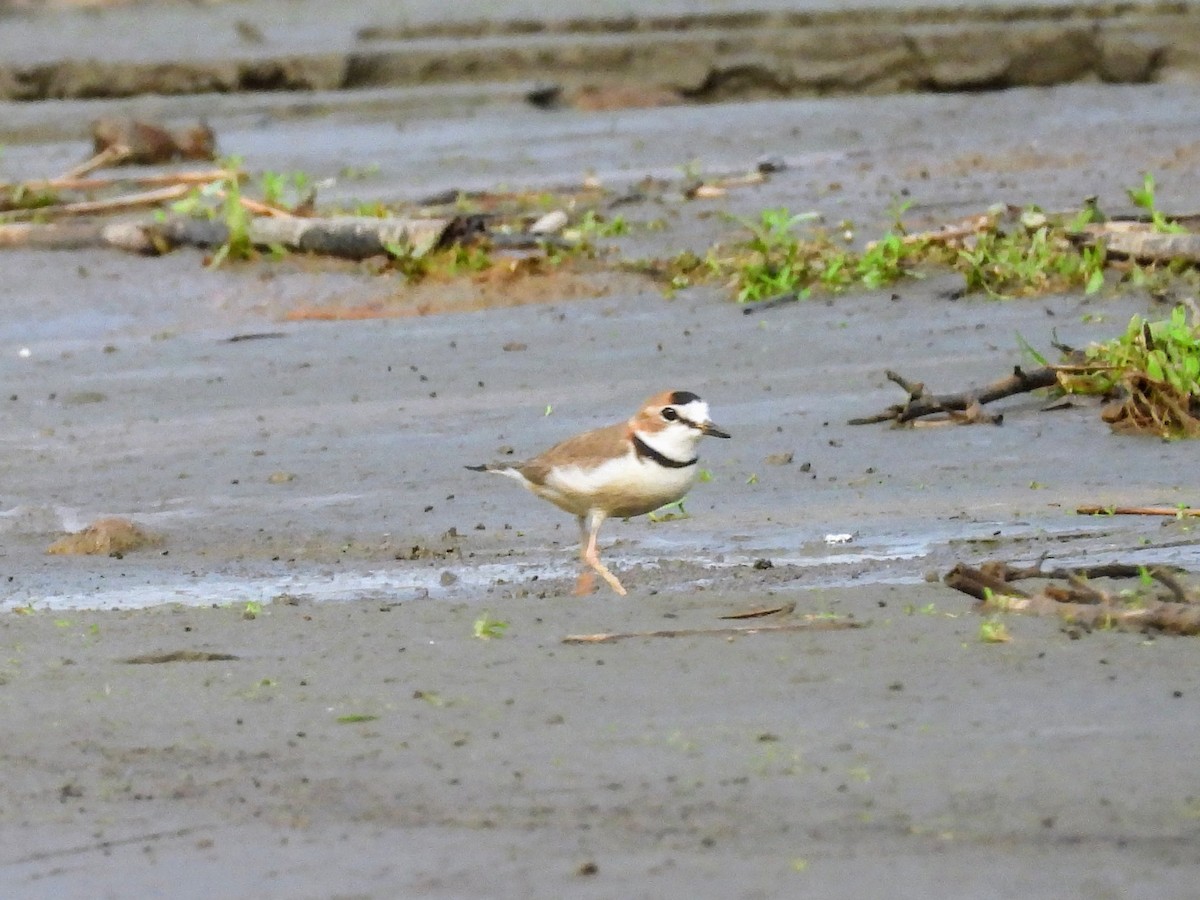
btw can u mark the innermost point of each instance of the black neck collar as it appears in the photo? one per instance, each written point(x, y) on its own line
point(645, 451)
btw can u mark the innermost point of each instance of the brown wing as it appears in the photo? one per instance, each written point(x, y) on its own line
point(588, 449)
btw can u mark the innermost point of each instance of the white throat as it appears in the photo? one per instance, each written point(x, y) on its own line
point(677, 442)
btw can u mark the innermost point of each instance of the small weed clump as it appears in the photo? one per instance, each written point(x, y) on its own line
point(23, 197)
point(486, 628)
point(1006, 253)
point(1006, 256)
point(1153, 370)
point(286, 190)
point(1144, 198)
point(593, 225)
point(417, 264)
point(1036, 256)
point(222, 199)
point(774, 259)
point(993, 630)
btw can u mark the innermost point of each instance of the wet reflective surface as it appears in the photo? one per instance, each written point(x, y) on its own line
point(374, 745)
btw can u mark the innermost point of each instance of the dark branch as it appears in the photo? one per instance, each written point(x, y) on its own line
point(921, 403)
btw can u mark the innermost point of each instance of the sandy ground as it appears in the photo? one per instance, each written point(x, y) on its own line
point(361, 742)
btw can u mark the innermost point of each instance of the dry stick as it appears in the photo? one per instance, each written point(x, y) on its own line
point(110, 205)
point(1164, 575)
point(979, 584)
point(59, 236)
point(610, 637)
point(1090, 593)
point(750, 178)
point(719, 187)
point(761, 612)
point(1109, 570)
point(265, 209)
point(920, 403)
point(1173, 618)
point(110, 155)
point(1165, 578)
point(997, 576)
point(346, 237)
point(947, 234)
point(194, 177)
point(972, 415)
point(1142, 245)
point(1180, 617)
point(1138, 511)
point(258, 208)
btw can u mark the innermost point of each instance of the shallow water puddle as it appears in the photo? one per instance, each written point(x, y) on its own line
point(394, 585)
point(797, 557)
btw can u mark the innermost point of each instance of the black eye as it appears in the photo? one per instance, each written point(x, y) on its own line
point(669, 414)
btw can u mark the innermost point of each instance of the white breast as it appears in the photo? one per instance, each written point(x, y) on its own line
point(626, 486)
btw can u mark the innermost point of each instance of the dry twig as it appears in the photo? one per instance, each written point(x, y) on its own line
point(807, 625)
point(153, 179)
point(1172, 511)
point(109, 156)
point(1139, 241)
point(762, 611)
point(719, 187)
point(1082, 603)
point(921, 403)
point(346, 237)
point(140, 200)
point(952, 235)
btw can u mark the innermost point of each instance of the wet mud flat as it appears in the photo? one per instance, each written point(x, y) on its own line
point(355, 738)
point(368, 747)
point(286, 697)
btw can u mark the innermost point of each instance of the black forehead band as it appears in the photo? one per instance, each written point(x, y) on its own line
point(682, 398)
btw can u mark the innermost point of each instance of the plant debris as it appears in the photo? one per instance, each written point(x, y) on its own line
point(762, 612)
point(964, 407)
point(810, 623)
point(1150, 375)
point(1175, 512)
point(1083, 600)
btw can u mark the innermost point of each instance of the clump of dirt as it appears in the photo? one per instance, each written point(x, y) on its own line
point(109, 536)
point(605, 97)
point(146, 143)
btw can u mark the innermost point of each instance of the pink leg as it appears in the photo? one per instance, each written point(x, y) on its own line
point(590, 554)
point(586, 583)
point(587, 578)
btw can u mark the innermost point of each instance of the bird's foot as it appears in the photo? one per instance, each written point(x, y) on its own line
point(586, 584)
point(608, 576)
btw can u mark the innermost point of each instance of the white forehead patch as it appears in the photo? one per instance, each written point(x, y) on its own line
point(677, 438)
point(696, 411)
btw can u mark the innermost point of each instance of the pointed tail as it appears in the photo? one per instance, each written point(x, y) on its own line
point(499, 468)
point(505, 469)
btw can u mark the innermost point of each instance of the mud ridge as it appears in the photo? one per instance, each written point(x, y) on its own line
point(688, 57)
